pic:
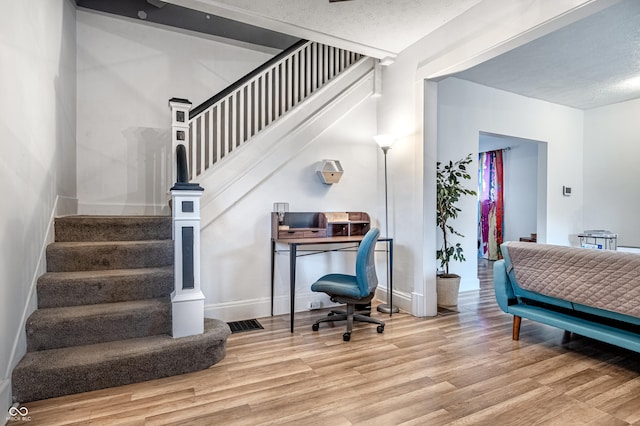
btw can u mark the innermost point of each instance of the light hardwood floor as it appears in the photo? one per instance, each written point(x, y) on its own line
point(456, 369)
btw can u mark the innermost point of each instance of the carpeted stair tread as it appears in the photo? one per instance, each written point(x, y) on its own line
point(95, 256)
point(53, 328)
point(104, 316)
point(112, 228)
point(98, 366)
point(58, 289)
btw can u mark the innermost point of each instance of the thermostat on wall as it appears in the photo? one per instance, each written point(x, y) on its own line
point(566, 190)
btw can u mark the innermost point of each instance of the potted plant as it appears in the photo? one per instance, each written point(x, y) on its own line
point(449, 180)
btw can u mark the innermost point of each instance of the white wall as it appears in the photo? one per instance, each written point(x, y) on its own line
point(611, 172)
point(484, 31)
point(236, 246)
point(520, 191)
point(127, 72)
point(400, 114)
point(520, 182)
point(465, 109)
point(37, 165)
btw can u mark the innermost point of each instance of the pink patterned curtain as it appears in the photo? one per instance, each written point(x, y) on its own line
point(491, 204)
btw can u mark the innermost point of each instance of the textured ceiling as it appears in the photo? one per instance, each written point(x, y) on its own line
point(390, 25)
point(588, 64)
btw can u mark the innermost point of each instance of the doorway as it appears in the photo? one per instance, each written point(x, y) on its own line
point(515, 213)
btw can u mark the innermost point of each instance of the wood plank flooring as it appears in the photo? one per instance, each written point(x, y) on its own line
point(456, 369)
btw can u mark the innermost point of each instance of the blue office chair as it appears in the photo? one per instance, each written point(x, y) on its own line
point(353, 290)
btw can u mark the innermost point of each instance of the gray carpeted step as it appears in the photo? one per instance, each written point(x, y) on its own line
point(53, 328)
point(58, 289)
point(96, 256)
point(104, 316)
point(52, 373)
point(112, 228)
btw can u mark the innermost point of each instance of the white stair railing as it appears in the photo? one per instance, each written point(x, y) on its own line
point(230, 119)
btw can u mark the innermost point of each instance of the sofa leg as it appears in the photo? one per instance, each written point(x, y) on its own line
point(566, 337)
point(516, 327)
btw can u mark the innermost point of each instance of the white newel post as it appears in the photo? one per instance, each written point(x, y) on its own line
point(179, 129)
point(187, 299)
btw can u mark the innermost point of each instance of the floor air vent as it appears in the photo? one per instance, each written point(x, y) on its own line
point(246, 325)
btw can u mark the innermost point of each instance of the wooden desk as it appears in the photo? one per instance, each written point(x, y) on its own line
point(293, 255)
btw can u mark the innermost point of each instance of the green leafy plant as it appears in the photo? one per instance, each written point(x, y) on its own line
point(450, 178)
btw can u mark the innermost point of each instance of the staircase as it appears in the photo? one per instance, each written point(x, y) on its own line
point(239, 137)
point(104, 313)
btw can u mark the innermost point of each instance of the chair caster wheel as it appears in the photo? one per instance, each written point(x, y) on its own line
point(346, 337)
point(380, 328)
point(315, 327)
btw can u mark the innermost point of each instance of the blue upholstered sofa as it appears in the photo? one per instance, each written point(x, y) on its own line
point(593, 293)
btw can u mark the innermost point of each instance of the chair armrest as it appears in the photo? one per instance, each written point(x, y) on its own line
point(502, 285)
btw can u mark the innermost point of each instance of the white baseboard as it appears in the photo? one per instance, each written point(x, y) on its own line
point(261, 308)
point(402, 301)
point(5, 400)
point(629, 249)
point(418, 305)
point(19, 347)
point(111, 209)
point(239, 310)
point(421, 307)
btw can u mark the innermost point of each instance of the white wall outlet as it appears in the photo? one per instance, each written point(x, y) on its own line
point(315, 305)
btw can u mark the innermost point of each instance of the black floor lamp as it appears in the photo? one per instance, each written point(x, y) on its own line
point(385, 142)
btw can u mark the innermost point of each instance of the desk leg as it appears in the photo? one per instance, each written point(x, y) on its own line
point(273, 270)
point(292, 281)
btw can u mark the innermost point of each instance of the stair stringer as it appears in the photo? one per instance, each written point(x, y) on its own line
point(244, 169)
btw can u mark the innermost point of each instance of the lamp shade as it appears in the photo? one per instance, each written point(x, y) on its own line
point(385, 141)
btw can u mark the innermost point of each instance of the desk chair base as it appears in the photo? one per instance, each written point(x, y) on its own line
point(364, 309)
point(363, 316)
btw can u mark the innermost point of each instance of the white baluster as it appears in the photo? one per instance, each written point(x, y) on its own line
point(314, 67)
point(216, 143)
point(223, 128)
point(201, 143)
point(263, 100)
point(256, 105)
point(307, 87)
point(289, 84)
point(276, 92)
point(269, 97)
point(210, 139)
point(232, 121)
point(325, 65)
point(196, 147)
point(241, 116)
